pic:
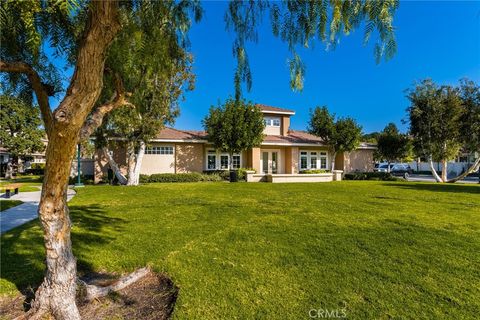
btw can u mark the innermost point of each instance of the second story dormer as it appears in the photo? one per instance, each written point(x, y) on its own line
point(277, 120)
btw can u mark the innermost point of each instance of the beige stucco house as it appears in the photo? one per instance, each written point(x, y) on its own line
point(282, 152)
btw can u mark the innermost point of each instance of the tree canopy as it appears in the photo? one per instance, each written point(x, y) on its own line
point(444, 120)
point(234, 126)
point(341, 135)
point(20, 127)
point(393, 145)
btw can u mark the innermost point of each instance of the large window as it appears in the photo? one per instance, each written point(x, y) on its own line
point(221, 161)
point(311, 160)
point(159, 150)
point(272, 122)
point(211, 160)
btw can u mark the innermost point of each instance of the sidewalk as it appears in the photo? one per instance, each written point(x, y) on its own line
point(25, 212)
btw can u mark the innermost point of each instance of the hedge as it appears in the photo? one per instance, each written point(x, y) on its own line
point(384, 176)
point(314, 171)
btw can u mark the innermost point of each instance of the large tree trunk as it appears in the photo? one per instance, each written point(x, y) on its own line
point(138, 163)
point(131, 163)
point(58, 290)
point(334, 155)
point(444, 171)
point(114, 166)
point(434, 172)
point(56, 295)
point(466, 173)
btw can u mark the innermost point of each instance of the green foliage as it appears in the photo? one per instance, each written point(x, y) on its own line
point(435, 114)
point(313, 171)
point(20, 130)
point(371, 137)
point(394, 146)
point(469, 93)
point(175, 177)
point(303, 23)
point(383, 176)
point(234, 126)
point(342, 135)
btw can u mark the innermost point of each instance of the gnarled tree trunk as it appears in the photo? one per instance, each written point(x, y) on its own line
point(57, 293)
point(138, 164)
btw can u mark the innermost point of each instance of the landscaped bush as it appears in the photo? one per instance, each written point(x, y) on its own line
point(85, 179)
point(314, 171)
point(384, 176)
point(176, 177)
point(242, 173)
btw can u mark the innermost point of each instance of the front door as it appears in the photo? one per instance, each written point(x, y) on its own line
point(269, 162)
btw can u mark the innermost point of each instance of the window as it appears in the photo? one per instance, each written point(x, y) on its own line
point(303, 160)
point(159, 150)
point(221, 161)
point(272, 122)
point(211, 160)
point(224, 162)
point(313, 160)
point(236, 161)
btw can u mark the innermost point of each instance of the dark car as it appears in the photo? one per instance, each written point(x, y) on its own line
point(401, 170)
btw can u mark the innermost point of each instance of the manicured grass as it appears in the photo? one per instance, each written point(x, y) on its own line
point(7, 204)
point(27, 183)
point(275, 251)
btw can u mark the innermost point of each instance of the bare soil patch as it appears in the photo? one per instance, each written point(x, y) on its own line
point(151, 297)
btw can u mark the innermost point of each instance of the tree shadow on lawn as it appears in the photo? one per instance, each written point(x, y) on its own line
point(440, 187)
point(23, 254)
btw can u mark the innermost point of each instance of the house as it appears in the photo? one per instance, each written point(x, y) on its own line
point(283, 152)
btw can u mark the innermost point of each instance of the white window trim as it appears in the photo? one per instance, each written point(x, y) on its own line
point(147, 152)
point(270, 120)
point(218, 162)
point(318, 155)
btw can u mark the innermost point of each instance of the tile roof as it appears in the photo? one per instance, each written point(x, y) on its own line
point(295, 136)
point(273, 109)
point(175, 134)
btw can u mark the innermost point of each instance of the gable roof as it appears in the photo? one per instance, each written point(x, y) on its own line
point(171, 134)
point(270, 109)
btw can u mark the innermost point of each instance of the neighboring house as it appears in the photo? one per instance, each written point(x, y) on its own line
point(36, 157)
point(283, 151)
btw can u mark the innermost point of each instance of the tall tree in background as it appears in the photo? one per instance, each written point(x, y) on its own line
point(82, 31)
point(435, 114)
point(392, 145)
point(234, 126)
point(20, 128)
point(341, 135)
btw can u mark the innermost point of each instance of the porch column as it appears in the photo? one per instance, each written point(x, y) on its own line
point(256, 159)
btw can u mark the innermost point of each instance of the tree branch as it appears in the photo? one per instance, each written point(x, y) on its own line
point(37, 85)
point(119, 99)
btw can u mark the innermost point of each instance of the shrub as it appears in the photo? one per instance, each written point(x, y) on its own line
point(144, 178)
point(383, 176)
point(314, 171)
point(242, 173)
point(176, 177)
point(213, 177)
point(85, 179)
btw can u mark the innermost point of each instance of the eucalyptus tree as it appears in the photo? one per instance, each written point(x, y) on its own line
point(234, 126)
point(341, 135)
point(82, 31)
point(436, 125)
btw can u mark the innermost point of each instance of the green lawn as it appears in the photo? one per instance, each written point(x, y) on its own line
point(27, 183)
point(275, 251)
point(7, 204)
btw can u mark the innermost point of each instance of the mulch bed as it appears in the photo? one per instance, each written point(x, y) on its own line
point(152, 297)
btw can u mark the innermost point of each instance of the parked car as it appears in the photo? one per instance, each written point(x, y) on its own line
point(401, 170)
point(383, 167)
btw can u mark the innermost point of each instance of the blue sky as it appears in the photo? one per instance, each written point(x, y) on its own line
point(440, 40)
point(436, 39)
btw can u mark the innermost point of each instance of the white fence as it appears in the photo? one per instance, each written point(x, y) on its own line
point(453, 168)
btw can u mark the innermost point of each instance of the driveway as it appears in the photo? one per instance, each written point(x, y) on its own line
point(25, 212)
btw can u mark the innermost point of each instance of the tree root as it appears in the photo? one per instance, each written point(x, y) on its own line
point(90, 292)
